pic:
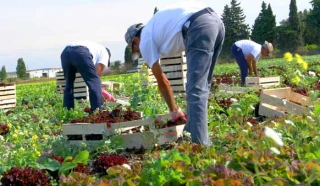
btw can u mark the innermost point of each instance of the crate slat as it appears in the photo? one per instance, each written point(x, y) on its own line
point(7, 101)
point(173, 68)
point(6, 88)
point(7, 106)
point(176, 75)
point(8, 92)
point(7, 97)
point(271, 111)
point(182, 81)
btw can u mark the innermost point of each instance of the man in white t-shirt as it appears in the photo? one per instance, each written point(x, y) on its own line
point(200, 33)
point(247, 53)
point(89, 59)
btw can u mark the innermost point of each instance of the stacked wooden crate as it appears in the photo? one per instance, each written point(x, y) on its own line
point(263, 82)
point(175, 69)
point(80, 89)
point(278, 102)
point(7, 96)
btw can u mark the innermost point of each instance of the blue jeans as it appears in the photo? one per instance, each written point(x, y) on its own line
point(242, 62)
point(79, 59)
point(203, 41)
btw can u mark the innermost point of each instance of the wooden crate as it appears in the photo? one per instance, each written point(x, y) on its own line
point(181, 59)
point(263, 82)
point(170, 134)
point(110, 85)
point(8, 98)
point(283, 100)
point(143, 139)
point(80, 89)
point(82, 131)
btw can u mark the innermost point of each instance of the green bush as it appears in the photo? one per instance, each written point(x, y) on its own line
point(311, 47)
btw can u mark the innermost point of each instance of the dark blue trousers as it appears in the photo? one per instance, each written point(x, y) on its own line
point(242, 62)
point(79, 59)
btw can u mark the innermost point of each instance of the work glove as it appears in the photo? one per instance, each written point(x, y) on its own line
point(177, 115)
point(107, 95)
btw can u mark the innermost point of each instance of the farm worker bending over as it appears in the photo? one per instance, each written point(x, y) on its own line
point(200, 33)
point(89, 59)
point(247, 54)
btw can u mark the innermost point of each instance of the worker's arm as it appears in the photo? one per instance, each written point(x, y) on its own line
point(99, 69)
point(254, 66)
point(249, 58)
point(164, 86)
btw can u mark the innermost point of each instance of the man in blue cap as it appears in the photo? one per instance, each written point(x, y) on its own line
point(200, 33)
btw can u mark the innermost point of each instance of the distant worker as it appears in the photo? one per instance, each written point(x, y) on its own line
point(200, 33)
point(89, 59)
point(247, 53)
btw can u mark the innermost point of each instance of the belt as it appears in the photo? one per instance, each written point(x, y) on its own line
point(194, 16)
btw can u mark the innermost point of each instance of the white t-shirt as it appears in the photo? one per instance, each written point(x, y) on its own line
point(98, 52)
point(161, 36)
point(249, 47)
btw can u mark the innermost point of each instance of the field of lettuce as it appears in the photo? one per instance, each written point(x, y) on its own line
point(247, 149)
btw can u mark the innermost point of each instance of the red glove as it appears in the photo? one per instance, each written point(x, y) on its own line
point(108, 96)
point(177, 115)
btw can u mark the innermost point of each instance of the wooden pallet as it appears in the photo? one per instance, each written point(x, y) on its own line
point(81, 90)
point(263, 82)
point(284, 100)
point(8, 98)
point(170, 134)
point(116, 132)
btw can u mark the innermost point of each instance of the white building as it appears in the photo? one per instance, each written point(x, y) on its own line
point(46, 72)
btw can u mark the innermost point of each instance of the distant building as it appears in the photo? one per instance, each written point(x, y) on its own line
point(46, 72)
point(11, 75)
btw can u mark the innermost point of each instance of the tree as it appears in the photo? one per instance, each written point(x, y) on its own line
point(116, 65)
point(264, 26)
point(21, 69)
point(295, 25)
point(3, 73)
point(155, 10)
point(128, 55)
point(313, 20)
point(235, 26)
point(289, 34)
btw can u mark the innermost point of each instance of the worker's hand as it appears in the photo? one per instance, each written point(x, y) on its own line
point(177, 115)
point(107, 95)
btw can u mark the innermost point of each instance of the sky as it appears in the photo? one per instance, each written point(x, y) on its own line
point(38, 30)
